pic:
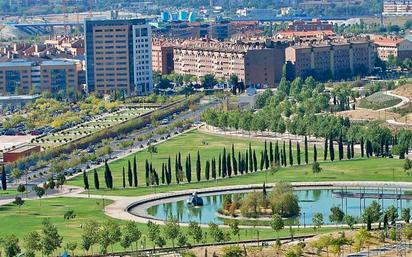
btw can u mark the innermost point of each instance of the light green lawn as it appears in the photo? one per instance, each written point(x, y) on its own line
point(211, 145)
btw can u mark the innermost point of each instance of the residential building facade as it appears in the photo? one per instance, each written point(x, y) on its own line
point(118, 56)
point(331, 60)
point(22, 77)
point(253, 63)
point(391, 46)
point(162, 56)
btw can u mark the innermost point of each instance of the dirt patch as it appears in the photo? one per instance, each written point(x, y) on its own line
point(366, 114)
point(405, 90)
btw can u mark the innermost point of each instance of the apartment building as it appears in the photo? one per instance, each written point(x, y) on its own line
point(331, 59)
point(21, 77)
point(397, 8)
point(60, 75)
point(392, 46)
point(253, 63)
point(16, 77)
point(118, 56)
point(313, 25)
point(162, 56)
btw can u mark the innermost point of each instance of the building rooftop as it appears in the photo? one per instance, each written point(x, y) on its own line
point(59, 62)
point(23, 148)
point(388, 41)
point(19, 97)
point(16, 63)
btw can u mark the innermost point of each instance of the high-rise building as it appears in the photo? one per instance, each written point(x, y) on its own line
point(118, 56)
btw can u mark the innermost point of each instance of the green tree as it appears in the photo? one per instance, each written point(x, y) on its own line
point(336, 215)
point(19, 202)
point(349, 220)
point(195, 231)
point(172, 230)
point(316, 167)
point(131, 234)
point(50, 238)
point(85, 181)
point(317, 220)
point(11, 246)
point(109, 234)
point(234, 228)
point(96, 179)
point(153, 233)
point(406, 214)
point(39, 192)
point(277, 223)
point(208, 81)
point(32, 243)
point(69, 215)
point(90, 235)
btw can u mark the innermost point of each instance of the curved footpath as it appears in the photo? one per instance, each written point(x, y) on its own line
point(121, 205)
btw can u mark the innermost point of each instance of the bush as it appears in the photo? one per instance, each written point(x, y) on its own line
point(232, 251)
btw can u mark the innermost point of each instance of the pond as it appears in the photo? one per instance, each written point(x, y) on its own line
point(311, 201)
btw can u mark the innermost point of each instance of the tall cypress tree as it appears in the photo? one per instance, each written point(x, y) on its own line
point(331, 149)
point(147, 175)
point(281, 158)
point(220, 166)
point(262, 160)
point(108, 175)
point(348, 152)
point(266, 156)
point(362, 145)
point(85, 181)
point(214, 168)
point(96, 180)
point(352, 150)
point(198, 167)
point(129, 174)
point(271, 157)
point(240, 164)
point(135, 178)
point(325, 149)
point(3, 179)
point(284, 154)
point(234, 162)
point(290, 153)
point(169, 170)
point(188, 169)
point(229, 166)
point(255, 162)
point(277, 155)
point(315, 154)
point(247, 163)
point(207, 170)
point(250, 158)
point(163, 173)
point(124, 178)
point(306, 151)
point(224, 164)
point(177, 173)
point(298, 152)
point(340, 148)
point(180, 162)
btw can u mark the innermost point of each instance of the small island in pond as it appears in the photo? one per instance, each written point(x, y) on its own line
point(259, 204)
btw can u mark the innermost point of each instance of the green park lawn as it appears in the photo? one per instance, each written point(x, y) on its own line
point(30, 216)
point(33, 212)
point(211, 145)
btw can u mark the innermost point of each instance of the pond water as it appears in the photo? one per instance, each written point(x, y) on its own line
point(310, 202)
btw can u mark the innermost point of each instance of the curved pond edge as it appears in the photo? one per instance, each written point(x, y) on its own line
point(147, 201)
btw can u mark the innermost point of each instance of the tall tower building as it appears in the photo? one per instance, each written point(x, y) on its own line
point(118, 56)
